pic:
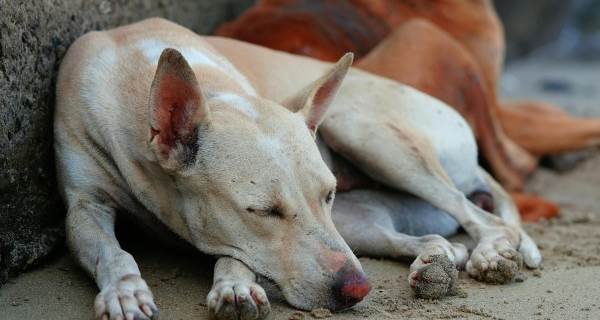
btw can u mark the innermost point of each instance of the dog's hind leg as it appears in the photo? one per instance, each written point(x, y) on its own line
point(405, 158)
point(505, 209)
point(395, 225)
point(235, 293)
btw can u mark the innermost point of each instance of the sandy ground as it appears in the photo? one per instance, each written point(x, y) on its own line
point(568, 286)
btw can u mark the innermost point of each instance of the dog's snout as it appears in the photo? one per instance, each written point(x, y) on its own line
point(350, 287)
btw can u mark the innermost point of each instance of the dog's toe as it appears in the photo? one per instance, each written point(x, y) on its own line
point(230, 300)
point(495, 263)
point(128, 299)
point(503, 271)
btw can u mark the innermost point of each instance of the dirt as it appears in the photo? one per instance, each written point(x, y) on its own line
point(567, 287)
point(321, 313)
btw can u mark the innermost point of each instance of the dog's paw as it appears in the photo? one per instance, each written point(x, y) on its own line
point(434, 272)
point(495, 262)
point(129, 298)
point(238, 300)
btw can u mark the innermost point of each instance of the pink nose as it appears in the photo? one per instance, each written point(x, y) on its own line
point(350, 288)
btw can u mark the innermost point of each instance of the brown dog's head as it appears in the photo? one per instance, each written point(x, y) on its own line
point(252, 182)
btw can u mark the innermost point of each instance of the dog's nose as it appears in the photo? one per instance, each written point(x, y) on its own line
point(350, 287)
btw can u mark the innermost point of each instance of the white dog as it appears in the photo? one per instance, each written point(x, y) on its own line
point(214, 139)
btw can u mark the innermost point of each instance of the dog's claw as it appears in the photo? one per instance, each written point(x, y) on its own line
point(127, 299)
point(238, 300)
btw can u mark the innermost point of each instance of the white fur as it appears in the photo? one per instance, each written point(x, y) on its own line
point(94, 73)
point(152, 48)
point(238, 102)
point(274, 147)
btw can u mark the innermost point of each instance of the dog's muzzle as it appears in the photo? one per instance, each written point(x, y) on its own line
point(350, 286)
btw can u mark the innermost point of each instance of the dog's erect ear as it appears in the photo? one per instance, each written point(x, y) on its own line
point(314, 100)
point(176, 108)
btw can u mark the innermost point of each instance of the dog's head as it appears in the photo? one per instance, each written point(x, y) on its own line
point(253, 184)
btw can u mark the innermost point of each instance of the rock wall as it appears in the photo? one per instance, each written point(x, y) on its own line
point(34, 36)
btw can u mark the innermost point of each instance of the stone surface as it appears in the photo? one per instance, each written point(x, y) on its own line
point(34, 36)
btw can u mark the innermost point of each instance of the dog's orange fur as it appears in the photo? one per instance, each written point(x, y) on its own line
point(453, 50)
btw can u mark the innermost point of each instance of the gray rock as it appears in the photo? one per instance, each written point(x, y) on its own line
point(34, 36)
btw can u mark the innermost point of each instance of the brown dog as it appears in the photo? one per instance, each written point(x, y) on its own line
point(452, 50)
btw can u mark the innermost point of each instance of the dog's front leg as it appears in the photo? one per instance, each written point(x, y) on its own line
point(123, 292)
point(235, 293)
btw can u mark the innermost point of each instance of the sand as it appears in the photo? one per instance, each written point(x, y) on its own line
point(567, 287)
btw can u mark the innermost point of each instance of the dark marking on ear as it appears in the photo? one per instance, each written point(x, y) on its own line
point(177, 109)
point(191, 150)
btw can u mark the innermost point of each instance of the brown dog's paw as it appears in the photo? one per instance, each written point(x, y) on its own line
point(437, 278)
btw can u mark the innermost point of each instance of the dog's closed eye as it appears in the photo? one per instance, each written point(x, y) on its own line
point(275, 211)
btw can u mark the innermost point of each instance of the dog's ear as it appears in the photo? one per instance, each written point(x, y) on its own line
point(314, 100)
point(176, 108)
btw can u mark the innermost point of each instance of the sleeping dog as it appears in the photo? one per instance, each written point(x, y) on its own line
point(216, 141)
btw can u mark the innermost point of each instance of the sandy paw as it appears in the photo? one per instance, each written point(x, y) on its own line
point(127, 299)
point(495, 262)
point(238, 300)
point(434, 273)
point(436, 278)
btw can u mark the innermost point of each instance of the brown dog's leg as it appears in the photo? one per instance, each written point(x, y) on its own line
point(533, 208)
point(422, 55)
point(454, 59)
point(542, 129)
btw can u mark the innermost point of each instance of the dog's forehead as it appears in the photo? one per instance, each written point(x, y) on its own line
point(232, 100)
point(254, 143)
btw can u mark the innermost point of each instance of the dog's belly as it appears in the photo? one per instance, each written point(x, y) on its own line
point(401, 211)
